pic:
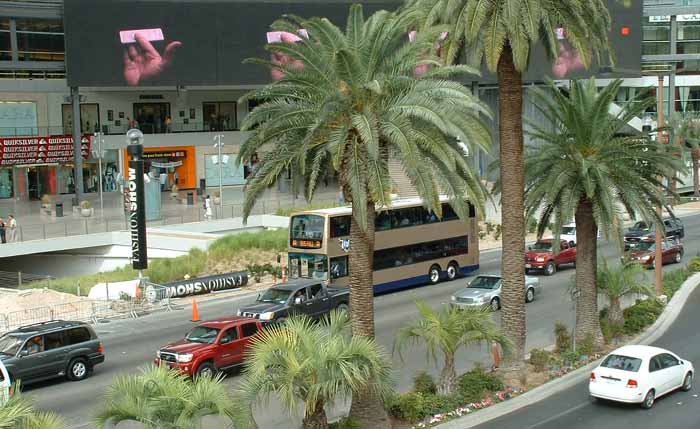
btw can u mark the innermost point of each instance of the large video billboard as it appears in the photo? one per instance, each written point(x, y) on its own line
point(203, 42)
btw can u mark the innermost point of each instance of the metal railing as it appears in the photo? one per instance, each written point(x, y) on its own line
point(146, 128)
point(15, 279)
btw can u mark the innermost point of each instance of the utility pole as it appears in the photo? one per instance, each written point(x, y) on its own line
point(219, 139)
point(658, 256)
point(77, 146)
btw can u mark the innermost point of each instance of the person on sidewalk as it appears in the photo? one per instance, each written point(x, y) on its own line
point(207, 207)
point(13, 229)
point(3, 237)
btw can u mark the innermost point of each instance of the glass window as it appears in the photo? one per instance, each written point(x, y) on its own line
point(203, 334)
point(6, 183)
point(303, 265)
point(307, 227)
point(89, 118)
point(10, 344)
point(668, 361)
point(340, 226)
point(656, 37)
point(231, 334)
point(78, 335)
point(448, 212)
point(34, 345)
point(315, 291)
point(406, 255)
point(40, 39)
point(220, 116)
point(624, 363)
point(542, 245)
point(249, 329)
point(654, 364)
point(5, 43)
point(18, 118)
point(339, 267)
point(277, 296)
point(54, 340)
point(484, 282)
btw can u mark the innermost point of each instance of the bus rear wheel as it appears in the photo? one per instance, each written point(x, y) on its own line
point(452, 271)
point(434, 274)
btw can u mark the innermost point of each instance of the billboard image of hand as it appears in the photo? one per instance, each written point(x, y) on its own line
point(279, 58)
point(143, 61)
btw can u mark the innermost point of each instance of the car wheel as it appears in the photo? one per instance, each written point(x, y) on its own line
point(452, 271)
point(495, 304)
point(648, 400)
point(550, 268)
point(343, 307)
point(434, 274)
point(530, 295)
point(78, 369)
point(687, 382)
point(679, 257)
point(206, 370)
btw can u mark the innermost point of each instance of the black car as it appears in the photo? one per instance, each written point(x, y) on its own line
point(304, 296)
point(643, 230)
point(52, 349)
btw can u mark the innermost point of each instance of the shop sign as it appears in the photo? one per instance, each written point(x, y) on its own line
point(41, 150)
point(202, 285)
point(306, 244)
point(165, 154)
point(135, 207)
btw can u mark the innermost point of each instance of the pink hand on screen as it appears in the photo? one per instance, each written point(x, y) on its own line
point(145, 62)
point(278, 58)
point(568, 60)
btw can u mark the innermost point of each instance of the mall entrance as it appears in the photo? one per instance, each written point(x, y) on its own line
point(151, 116)
point(35, 181)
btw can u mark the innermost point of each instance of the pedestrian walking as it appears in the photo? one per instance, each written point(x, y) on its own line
point(207, 207)
point(13, 229)
point(3, 237)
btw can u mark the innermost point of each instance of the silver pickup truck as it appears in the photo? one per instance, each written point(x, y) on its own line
point(485, 291)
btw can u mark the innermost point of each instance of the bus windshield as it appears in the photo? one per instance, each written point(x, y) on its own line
point(306, 227)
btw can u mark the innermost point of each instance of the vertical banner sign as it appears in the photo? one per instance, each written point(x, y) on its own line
point(136, 210)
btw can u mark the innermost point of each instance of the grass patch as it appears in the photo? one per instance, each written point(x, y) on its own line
point(287, 211)
point(166, 270)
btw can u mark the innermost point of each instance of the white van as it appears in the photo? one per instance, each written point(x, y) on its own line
point(568, 233)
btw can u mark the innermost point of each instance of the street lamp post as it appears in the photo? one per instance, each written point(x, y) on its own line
point(658, 256)
point(98, 154)
point(219, 139)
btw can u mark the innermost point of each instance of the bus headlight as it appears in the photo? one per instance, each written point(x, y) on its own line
point(267, 316)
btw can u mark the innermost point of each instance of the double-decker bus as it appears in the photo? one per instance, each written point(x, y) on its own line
point(412, 245)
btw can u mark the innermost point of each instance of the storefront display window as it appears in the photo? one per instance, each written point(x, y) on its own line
point(89, 118)
point(65, 177)
point(18, 118)
point(6, 183)
point(232, 174)
point(170, 166)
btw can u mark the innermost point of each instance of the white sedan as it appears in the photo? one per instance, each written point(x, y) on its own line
point(640, 374)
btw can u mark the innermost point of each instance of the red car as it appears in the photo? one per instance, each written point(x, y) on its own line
point(211, 346)
point(644, 253)
point(540, 256)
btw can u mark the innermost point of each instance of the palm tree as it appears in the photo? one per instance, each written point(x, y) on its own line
point(587, 170)
point(19, 413)
point(161, 398)
point(354, 102)
point(686, 129)
point(616, 283)
point(446, 331)
point(314, 363)
point(501, 32)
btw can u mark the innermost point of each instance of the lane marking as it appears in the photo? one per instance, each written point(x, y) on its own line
point(557, 416)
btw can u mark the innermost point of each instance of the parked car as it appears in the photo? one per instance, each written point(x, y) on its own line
point(485, 291)
point(51, 349)
point(303, 296)
point(5, 385)
point(540, 256)
point(212, 346)
point(644, 253)
point(640, 374)
point(568, 233)
point(641, 230)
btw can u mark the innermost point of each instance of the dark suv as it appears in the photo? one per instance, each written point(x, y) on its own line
point(51, 349)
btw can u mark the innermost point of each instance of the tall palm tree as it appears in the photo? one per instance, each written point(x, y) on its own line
point(163, 399)
point(686, 130)
point(349, 101)
point(19, 413)
point(618, 282)
point(587, 170)
point(502, 32)
point(314, 363)
point(447, 331)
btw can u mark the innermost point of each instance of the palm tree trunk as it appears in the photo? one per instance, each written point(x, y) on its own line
point(512, 205)
point(448, 376)
point(695, 155)
point(587, 317)
point(366, 408)
point(615, 315)
point(315, 417)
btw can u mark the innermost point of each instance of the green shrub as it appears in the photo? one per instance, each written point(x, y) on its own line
point(228, 246)
point(498, 231)
point(531, 225)
point(489, 227)
point(344, 423)
point(641, 315)
point(562, 336)
point(411, 407)
point(694, 264)
point(540, 359)
point(587, 346)
point(570, 357)
point(474, 384)
point(424, 383)
point(673, 280)
point(288, 211)
point(609, 331)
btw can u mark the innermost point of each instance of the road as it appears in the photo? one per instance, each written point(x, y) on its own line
point(572, 408)
point(130, 344)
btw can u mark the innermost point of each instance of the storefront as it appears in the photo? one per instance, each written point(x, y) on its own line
point(174, 165)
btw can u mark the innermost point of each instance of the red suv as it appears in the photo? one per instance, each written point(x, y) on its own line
point(540, 256)
point(211, 346)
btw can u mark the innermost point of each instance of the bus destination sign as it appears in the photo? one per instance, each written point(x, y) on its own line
point(306, 244)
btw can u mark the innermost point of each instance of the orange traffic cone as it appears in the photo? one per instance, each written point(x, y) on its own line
point(195, 311)
point(137, 294)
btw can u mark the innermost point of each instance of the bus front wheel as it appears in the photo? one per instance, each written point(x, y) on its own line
point(434, 274)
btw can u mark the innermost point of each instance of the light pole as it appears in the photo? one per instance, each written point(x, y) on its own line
point(97, 153)
point(660, 136)
point(219, 139)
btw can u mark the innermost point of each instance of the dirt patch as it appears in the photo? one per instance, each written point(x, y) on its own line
point(32, 298)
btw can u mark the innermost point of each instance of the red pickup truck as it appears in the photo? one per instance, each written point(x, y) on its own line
point(540, 256)
point(211, 346)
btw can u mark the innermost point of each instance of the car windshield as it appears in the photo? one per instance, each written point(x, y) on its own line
point(278, 296)
point(484, 283)
point(542, 245)
point(568, 230)
point(203, 334)
point(646, 246)
point(624, 363)
point(10, 344)
point(641, 225)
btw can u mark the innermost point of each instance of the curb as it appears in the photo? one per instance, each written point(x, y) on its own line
point(651, 334)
